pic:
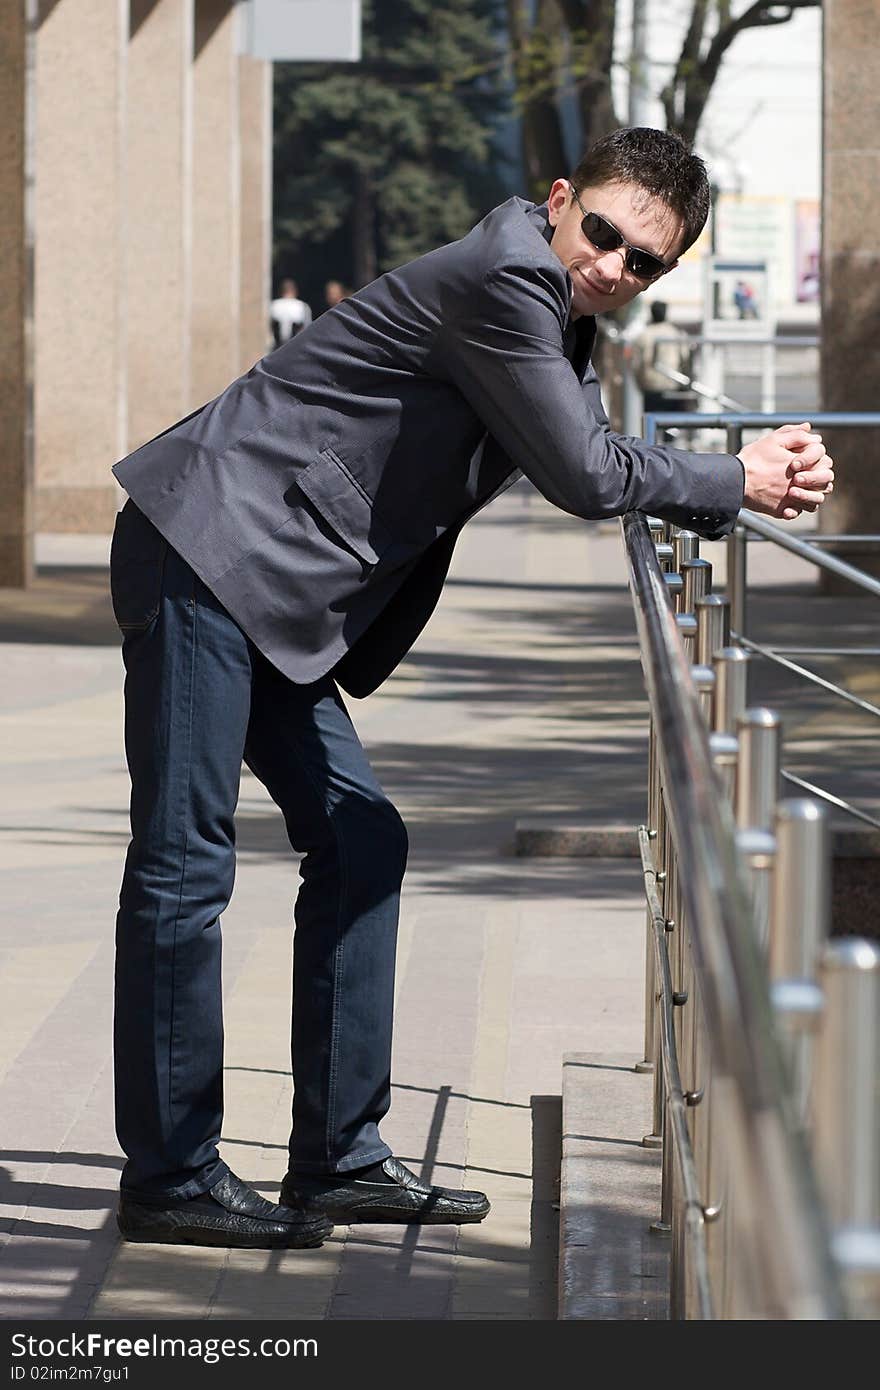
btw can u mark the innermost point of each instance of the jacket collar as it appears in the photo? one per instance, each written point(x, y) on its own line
point(584, 326)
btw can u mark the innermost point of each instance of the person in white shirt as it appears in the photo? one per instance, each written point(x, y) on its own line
point(662, 345)
point(289, 314)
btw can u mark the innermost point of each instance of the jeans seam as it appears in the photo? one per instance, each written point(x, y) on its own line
point(339, 957)
point(338, 954)
point(191, 605)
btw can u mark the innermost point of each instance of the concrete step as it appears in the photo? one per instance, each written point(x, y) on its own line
point(546, 838)
point(612, 1266)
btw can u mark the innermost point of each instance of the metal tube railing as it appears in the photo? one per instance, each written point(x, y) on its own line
point(846, 1114)
point(830, 563)
point(751, 527)
point(761, 1203)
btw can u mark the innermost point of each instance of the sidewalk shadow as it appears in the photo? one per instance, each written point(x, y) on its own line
point(67, 605)
point(41, 1257)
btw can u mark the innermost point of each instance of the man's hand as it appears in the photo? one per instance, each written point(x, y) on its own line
point(787, 472)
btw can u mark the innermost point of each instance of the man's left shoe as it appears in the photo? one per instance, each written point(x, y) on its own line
point(401, 1197)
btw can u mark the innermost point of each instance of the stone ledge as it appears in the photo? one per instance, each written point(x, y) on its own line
point(544, 839)
point(612, 1266)
point(548, 838)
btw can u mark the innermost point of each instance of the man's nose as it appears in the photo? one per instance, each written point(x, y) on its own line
point(610, 265)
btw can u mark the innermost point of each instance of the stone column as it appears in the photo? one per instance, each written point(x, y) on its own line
point(216, 189)
point(255, 238)
point(17, 59)
point(851, 262)
point(158, 215)
point(79, 403)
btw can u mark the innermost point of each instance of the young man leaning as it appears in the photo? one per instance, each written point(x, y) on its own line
point(292, 537)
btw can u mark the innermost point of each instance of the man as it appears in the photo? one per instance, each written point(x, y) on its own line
point(744, 299)
point(661, 348)
point(288, 313)
point(334, 293)
point(294, 534)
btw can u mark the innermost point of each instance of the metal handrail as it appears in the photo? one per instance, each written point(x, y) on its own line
point(792, 1254)
point(752, 527)
point(830, 798)
point(772, 654)
point(794, 340)
point(753, 420)
point(807, 551)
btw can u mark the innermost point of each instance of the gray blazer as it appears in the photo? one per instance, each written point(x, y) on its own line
point(320, 496)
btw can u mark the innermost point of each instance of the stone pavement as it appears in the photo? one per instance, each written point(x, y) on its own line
point(523, 695)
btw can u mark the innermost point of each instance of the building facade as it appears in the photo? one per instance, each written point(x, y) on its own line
point(135, 187)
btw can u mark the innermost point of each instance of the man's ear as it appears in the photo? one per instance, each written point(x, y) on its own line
point(558, 199)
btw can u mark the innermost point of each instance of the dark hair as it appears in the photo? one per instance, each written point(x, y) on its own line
point(658, 310)
point(658, 162)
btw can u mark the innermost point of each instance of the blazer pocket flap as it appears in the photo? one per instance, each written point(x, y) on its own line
point(344, 505)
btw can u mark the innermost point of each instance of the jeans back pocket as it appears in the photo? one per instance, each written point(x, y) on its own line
point(137, 564)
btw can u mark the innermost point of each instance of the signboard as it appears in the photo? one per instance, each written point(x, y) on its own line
point(302, 31)
point(737, 302)
point(759, 229)
point(806, 250)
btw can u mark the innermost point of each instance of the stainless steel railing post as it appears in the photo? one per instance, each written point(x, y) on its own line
point(731, 678)
point(800, 916)
point(713, 626)
point(757, 789)
point(685, 546)
point(730, 665)
point(846, 1114)
point(713, 633)
point(696, 578)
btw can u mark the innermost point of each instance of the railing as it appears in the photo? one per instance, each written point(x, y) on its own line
point(624, 396)
point(752, 528)
point(712, 355)
point(763, 1040)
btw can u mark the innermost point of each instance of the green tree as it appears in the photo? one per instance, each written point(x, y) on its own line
point(383, 160)
point(560, 46)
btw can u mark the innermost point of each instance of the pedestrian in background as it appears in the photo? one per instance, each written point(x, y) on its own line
point(660, 349)
point(288, 313)
point(334, 293)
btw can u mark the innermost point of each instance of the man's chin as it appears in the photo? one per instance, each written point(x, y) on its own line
point(593, 304)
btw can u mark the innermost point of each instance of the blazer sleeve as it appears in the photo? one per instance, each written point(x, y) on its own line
point(504, 354)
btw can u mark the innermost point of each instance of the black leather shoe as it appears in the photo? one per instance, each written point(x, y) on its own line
point(404, 1198)
point(228, 1214)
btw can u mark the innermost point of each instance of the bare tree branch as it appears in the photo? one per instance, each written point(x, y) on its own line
point(685, 96)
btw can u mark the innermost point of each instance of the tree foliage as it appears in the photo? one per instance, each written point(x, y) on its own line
point(559, 47)
point(385, 159)
point(382, 160)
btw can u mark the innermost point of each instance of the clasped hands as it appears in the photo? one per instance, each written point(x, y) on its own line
point(787, 472)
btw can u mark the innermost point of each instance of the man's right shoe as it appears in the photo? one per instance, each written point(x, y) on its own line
point(399, 1197)
point(228, 1214)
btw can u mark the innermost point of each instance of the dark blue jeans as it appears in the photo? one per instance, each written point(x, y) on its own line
point(199, 698)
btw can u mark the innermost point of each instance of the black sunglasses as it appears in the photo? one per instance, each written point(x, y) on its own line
point(644, 265)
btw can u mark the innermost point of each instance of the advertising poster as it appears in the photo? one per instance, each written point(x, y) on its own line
point(759, 229)
point(806, 250)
